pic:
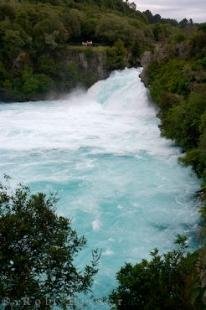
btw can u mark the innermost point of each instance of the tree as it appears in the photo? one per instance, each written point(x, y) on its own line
point(7, 11)
point(164, 282)
point(111, 28)
point(37, 250)
point(117, 56)
point(184, 22)
point(149, 15)
point(72, 22)
point(183, 121)
point(50, 32)
point(133, 6)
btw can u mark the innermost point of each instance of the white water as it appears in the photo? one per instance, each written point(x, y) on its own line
point(117, 178)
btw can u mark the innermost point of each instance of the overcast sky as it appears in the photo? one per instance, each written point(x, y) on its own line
point(195, 9)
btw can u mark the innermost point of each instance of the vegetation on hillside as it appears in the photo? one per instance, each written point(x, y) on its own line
point(35, 37)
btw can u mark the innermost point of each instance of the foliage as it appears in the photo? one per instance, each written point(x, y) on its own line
point(182, 122)
point(177, 84)
point(117, 56)
point(164, 282)
point(157, 19)
point(38, 249)
point(111, 27)
point(171, 77)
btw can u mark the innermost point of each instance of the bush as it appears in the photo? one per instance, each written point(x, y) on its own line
point(164, 282)
point(172, 76)
point(182, 122)
point(37, 250)
point(116, 56)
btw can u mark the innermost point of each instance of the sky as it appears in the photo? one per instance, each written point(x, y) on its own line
point(195, 9)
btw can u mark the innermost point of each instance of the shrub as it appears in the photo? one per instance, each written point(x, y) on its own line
point(37, 250)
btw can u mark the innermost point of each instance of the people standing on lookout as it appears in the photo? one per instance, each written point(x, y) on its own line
point(87, 43)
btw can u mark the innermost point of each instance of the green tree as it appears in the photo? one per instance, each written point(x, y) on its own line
point(13, 42)
point(164, 282)
point(111, 27)
point(7, 11)
point(37, 250)
point(72, 22)
point(117, 56)
point(50, 32)
point(183, 122)
point(33, 84)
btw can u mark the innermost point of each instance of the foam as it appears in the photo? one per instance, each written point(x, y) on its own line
point(114, 116)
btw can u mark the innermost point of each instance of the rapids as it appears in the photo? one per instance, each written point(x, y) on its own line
point(117, 179)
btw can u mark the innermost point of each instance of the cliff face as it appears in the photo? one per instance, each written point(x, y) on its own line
point(95, 63)
point(90, 61)
point(161, 53)
point(145, 61)
point(75, 66)
point(90, 64)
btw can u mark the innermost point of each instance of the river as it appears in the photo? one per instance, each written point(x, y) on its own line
point(117, 179)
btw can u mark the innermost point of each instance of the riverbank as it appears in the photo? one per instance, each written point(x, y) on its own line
point(176, 79)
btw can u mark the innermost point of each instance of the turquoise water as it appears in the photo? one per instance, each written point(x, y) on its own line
point(117, 179)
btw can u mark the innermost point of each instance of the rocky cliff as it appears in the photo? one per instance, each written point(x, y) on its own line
point(90, 61)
